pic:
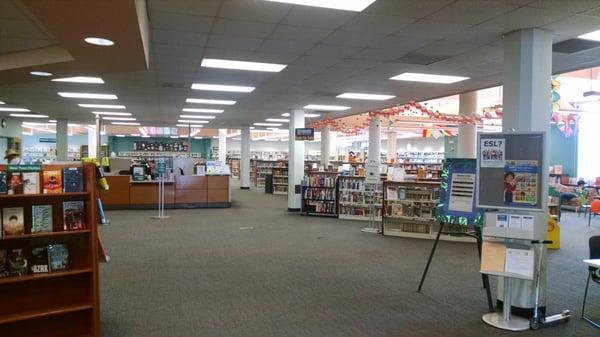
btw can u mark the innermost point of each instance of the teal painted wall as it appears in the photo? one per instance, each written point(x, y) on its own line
point(450, 146)
point(117, 144)
point(563, 151)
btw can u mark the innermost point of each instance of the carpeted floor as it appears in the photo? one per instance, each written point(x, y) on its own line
point(256, 270)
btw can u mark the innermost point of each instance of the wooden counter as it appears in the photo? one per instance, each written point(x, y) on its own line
point(182, 192)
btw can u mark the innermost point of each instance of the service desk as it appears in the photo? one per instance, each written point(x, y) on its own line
point(182, 192)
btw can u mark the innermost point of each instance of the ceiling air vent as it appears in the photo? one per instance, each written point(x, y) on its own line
point(175, 85)
point(421, 59)
point(574, 46)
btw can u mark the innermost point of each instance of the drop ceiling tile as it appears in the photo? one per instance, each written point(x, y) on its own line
point(234, 42)
point(377, 54)
point(285, 46)
point(376, 23)
point(240, 55)
point(254, 10)
point(401, 43)
point(477, 36)
point(478, 11)
point(180, 22)
point(575, 25)
point(572, 6)
point(446, 48)
point(9, 45)
point(333, 51)
point(182, 51)
point(307, 16)
point(21, 29)
point(298, 33)
point(431, 29)
point(243, 28)
point(525, 17)
point(309, 60)
point(407, 8)
point(178, 37)
point(204, 7)
point(353, 39)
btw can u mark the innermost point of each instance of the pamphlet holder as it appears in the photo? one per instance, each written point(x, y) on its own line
point(372, 190)
point(161, 199)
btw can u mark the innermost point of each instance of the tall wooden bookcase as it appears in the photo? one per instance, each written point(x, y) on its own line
point(63, 303)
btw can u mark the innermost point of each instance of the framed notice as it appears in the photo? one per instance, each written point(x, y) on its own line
point(305, 133)
point(457, 201)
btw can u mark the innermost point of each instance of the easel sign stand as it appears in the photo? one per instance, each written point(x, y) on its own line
point(161, 170)
point(372, 181)
point(512, 189)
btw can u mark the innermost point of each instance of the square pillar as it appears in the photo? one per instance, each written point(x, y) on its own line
point(295, 160)
point(62, 140)
point(245, 159)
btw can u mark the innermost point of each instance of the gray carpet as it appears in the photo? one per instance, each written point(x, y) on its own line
point(256, 270)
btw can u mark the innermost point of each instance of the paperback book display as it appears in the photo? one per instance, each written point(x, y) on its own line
point(52, 181)
point(3, 183)
point(41, 219)
point(410, 208)
point(319, 193)
point(15, 183)
point(355, 200)
point(42, 259)
point(12, 221)
point(73, 215)
point(73, 179)
point(31, 183)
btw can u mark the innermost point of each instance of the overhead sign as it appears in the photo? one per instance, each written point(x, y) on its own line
point(305, 133)
point(47, 140)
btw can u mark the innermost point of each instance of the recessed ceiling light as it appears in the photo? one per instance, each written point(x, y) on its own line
point(220, 87)
point(306, 115)
point(268, 124)
point(80, 79)
point(594, 36)
point(428, 78)
point(110, 113)
point(87, 95)
point(191, 121)
point(242, 65)
point(190, 125)
point(279, 120)
point(102, 106)
point(371, 97)
point(40, 73)
point(346, 5)
point(52, 121)
point(2, 102)
point(119, 118)
point(28, 116)
point(119, 136)
point(273, 129)
point(98, 41)
point(124, 123)
point(326, 107)
point(197, 116)
point(14, 109)
point(208, 111)
point(210, 101)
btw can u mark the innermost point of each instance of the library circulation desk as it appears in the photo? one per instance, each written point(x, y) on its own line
point(211, 191)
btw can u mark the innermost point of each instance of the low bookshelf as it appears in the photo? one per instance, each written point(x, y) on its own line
point(280, 178)
point(319, 193)
point(50, 284)
point(354, 200)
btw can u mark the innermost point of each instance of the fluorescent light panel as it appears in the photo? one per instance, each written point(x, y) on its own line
point(28, 116)
point(242, 65)
point(208, 111)
point(278, 120)
point(135, 134)
point(221, 87)
point(80, 79)
point(102, 106)
point(14, 109)
point(111, 113)
point(190, 125)
point(306, 115)
point(2, 102)
point(118, 118)
point(191, 121)
point(326, 107)
point(40, 73)
point(120, 136)
point(370, 97)
point(346, 5)
point(268, 124)
point(209, 101)
point(594, 36)
point(196, 116)
point(87, 95)
point(428, 78)
point(124, 123)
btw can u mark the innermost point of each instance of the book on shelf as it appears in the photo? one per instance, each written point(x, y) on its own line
point(41, 218)
point(3, 182)
point(39, 260)
point(52, 181)
point(17, 262)
point(15, 183)
point(12, 221)
point(73, 215)
point(58, 257)
point(4, 270)
point(73, 179)
point(31, 183)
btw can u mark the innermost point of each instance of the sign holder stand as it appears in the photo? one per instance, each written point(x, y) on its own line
point(372, 190)
point(161, 168)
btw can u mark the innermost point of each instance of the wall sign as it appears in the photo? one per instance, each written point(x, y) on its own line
point(305, 134)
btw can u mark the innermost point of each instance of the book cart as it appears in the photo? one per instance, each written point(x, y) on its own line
point(59, 303)
point(354, 201)
point(319, 194)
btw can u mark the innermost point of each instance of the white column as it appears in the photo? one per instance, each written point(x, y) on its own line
point(223, 145)
point(98, 139)
point(467, 133)
point(375, 139)
point(527, 107)
point(62, 140)
point(295, 160)
point(245, 159)
point(325, 145)
point(392, 146)
point(91, 142)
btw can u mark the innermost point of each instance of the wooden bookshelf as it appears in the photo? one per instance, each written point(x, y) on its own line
point(60, 303)
point(280, 178)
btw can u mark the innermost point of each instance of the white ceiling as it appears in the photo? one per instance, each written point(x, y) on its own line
point(327, 52)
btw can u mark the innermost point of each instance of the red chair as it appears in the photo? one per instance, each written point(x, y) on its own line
point(594, 209)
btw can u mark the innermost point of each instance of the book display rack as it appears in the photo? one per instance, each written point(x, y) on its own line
point(49, 254)
point(319, 194)
point(280, 178)
point(354, 200)
point(234, 166)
